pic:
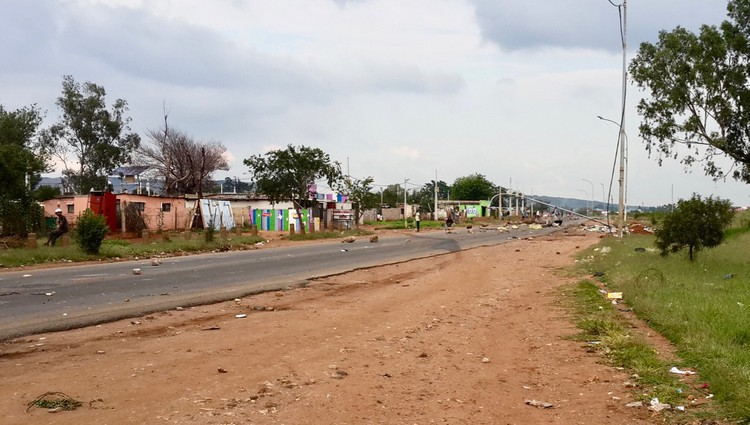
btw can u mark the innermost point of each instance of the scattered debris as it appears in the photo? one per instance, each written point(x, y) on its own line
point(349, 239)
point(729, 275)
point(212, 328)
point(677, 371)
point(635, 404)
point(485, 360)
point(155, 262)
point(541, 404)
point(614, 295)
point(222, 370)
point(640, 249)
point(639, 229)
point(656, 406)
point(339, 374)
point(136, 271)
point(374, 238)
point(55, 401)
point(240, 316)
point(598, 274)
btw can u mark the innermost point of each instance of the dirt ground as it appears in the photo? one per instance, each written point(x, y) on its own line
point(465, 338)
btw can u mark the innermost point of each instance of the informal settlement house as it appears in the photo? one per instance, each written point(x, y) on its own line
point(166, 213)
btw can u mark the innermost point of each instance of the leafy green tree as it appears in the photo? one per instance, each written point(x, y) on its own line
point(393, 195)
point(699, 94)
point(44, 193)
point(22, 160)
point(475, 187)
point(99, 139)
point(425, 197)
point(360, 193)
point(695, 223)
point(288, 174)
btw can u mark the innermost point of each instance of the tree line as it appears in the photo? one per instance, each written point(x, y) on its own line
point(91, 138)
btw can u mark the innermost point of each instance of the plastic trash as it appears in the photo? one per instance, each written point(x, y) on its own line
point(677, 371)
point(656, 406)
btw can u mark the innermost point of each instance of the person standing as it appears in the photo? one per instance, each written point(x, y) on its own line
point(417, 219)
point(61, 229)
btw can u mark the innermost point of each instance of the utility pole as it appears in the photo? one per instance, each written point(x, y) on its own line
point(622, 136)
point(436, 196)
point(405, 180)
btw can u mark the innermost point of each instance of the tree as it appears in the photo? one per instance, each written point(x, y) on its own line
point(392, 195)
point(22, 160)
point(359, 192)
point(185, 165)
point(700, 94)
point(99, 139)
point(472, 188)
point(695, 223)
point(289, 174)
point(425, 197)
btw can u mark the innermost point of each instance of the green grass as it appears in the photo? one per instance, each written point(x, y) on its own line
point(124, 249)
point(702, 307)
point(605, 330)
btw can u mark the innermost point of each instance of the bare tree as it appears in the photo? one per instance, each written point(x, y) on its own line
point(186, 165)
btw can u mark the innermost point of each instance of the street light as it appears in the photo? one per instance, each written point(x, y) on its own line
point(587, 195)
point(592, 195)
point(622, 138)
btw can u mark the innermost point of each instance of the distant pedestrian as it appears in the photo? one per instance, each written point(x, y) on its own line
point(417, 219)
point(61, 229)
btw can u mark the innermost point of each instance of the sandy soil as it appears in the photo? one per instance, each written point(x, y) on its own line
point(464, 338)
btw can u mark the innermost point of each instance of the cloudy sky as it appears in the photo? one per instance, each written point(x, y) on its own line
point(393, 89)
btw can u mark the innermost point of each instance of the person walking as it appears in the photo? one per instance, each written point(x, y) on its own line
point(61, 229)
point(417, 219)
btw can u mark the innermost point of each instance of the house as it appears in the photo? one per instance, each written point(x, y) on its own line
point(158, 212)
point(130, 179)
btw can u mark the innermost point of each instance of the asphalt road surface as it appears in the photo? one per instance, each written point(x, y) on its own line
point(60, 298)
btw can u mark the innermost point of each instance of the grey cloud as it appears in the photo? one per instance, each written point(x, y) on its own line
point(586, 24)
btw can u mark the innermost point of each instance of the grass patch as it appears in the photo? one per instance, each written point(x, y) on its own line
point(702, 307)
point(603, 329)
point(124, 249)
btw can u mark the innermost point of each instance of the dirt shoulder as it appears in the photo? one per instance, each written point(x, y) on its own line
point(461, 338)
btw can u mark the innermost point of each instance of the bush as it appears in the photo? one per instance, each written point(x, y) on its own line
point(695, 223)
point(90, 231)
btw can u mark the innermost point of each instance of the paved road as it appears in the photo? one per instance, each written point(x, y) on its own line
point(51, 299)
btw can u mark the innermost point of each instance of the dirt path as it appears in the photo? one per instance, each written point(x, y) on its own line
point(463, 338)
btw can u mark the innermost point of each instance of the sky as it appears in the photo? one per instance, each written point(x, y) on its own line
point(396, 90)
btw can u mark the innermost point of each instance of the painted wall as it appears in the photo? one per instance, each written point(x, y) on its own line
point(277, 219)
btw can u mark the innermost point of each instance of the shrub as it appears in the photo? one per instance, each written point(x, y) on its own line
point(209, 233)
point(695, 223)
point(90, 231)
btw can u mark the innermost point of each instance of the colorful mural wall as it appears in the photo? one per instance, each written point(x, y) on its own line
point(278, 220)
